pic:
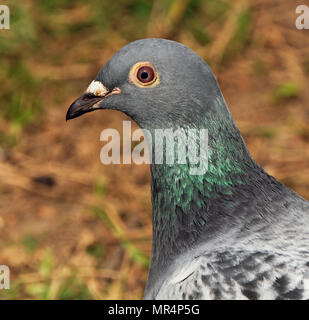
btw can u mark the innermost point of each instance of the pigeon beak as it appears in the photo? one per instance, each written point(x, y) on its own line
point(85, 103)
point(90, 100)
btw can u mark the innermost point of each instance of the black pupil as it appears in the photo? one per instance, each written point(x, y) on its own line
point(144, 75)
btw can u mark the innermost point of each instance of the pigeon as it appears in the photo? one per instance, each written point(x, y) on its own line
point(234, 232)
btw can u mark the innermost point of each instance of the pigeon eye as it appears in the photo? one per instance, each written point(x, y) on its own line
point(145, 74)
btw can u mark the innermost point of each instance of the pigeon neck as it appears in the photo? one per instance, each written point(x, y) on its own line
point(184, 204)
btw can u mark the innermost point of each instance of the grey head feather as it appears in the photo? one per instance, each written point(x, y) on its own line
point(184, 77)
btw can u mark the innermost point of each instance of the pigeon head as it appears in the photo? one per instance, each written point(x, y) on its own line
point(153, 81)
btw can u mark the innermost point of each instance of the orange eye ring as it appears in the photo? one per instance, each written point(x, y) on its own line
point(143, 74)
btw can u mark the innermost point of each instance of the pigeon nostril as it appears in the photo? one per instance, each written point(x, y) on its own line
point(87, 97)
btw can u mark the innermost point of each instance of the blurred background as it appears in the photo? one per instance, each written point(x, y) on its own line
point(72, 228)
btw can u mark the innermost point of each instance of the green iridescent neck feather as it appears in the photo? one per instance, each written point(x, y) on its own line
point(182, 202)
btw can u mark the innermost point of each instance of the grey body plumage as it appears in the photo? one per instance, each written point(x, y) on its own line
point(233, 233)
point(255, 258)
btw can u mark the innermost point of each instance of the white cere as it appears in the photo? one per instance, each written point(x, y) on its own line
point(97, 88)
